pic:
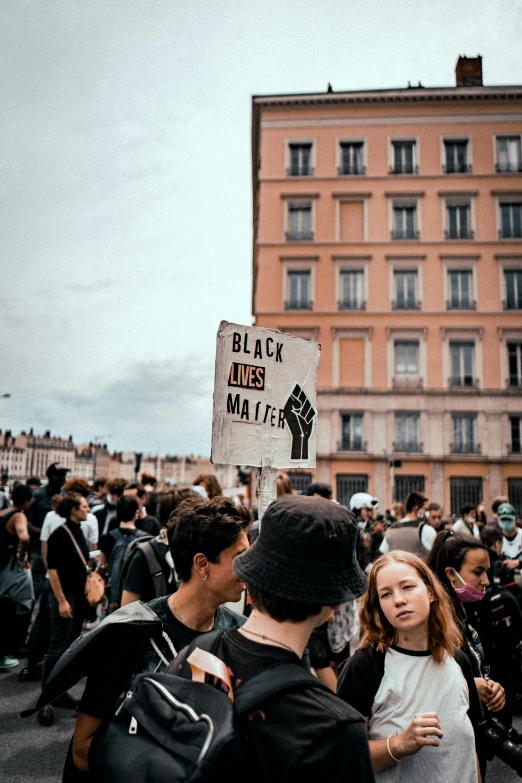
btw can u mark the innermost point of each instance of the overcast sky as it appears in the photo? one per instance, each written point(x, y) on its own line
point(125, 228)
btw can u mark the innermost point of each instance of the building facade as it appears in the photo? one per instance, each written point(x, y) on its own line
point(388, 227)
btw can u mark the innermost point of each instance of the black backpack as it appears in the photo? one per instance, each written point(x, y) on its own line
point(168, 728)
point(151, 549)
point(500, 620)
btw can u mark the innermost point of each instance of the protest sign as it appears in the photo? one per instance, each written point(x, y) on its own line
point(265, 411)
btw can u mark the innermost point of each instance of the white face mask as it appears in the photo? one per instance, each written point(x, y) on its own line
point(470, 520)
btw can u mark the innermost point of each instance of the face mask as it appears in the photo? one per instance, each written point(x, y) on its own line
point(507, 524)
point(468, 594)
point(470, 520)
point(108, 499)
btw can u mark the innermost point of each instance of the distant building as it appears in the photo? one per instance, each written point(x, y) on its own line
point(388, 227)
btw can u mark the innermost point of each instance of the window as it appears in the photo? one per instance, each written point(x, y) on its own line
point(407, 358)
point(458, 222)
point(351, 433)
point(404, 158)
point(351, 289)
point(405, 222)
point(407, 432)
point(513, 283)
point(406, 290)
point(515, 447)
point(510, 221)
point(464, 434)
point(460, 290)
point(352, 158)
point(508, 154)
point(348, 484)
point(515, 364)
point(456, 156)
point(299, 222)
point(299, 290)
point(464, 490)
point(300, 160)
point(300, 481)
point(406, 484)
point(461, 358)
point(515, 494)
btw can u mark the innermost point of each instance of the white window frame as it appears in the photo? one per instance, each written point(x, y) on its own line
point(456, 138)
point(455, 264)
point(308, 140)
point(457, 200)
point(302, 264)
point(506, 264)
point(339, 157)
point(462, 336)
point(506, 336)
point(418, 415)
point(352, 413)
point(495, 139)
point(416, 154)
point(407, 335)
point(343, 198)
point(298, 201)
point(474, 416)
point(351, 334)
point(348, 264)
point(506, 197)
point(409, 264)
point(397, 201)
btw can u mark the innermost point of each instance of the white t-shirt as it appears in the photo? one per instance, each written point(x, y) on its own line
point(427, 537)
point(54, 520)
point(461, 527)
point(511, 548)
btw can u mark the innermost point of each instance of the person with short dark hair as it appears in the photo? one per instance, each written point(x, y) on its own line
point(435, 517)
point(147, 523)
point(106, 515)
point(409, 534)
point(204, 538)
point(301, 567)
point(467, 523)
point(34, 482)
point(319, 489)
point(99, 492)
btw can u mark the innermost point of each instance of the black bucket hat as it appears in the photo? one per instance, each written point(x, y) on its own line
point(305, 552)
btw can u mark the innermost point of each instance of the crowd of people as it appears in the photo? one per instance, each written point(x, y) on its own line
point(358, 646)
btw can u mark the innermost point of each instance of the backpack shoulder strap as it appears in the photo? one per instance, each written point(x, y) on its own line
point(155, 568)
point(274, 680)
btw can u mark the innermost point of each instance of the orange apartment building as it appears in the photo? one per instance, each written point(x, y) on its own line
point(388, 227)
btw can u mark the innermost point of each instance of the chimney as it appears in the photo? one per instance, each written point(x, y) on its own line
point(468, 72)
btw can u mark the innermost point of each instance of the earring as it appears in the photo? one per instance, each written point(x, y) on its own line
point(205, 577)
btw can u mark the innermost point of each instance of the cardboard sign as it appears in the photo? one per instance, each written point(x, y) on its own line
point(265, 410)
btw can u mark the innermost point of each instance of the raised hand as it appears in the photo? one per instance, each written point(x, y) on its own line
point(300, 417)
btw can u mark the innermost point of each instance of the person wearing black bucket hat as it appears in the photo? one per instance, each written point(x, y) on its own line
point(301, 566)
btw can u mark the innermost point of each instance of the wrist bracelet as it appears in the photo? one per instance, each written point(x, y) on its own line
point(388, 748)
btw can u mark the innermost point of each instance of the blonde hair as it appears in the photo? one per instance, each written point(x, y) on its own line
point(283, 485)
point(443, 632)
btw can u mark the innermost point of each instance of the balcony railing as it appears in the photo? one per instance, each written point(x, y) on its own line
point(462, 234)
point(404, 169)
point(463, 382)
point(412, 447)
point(291, 305)
point(506, 168)
point(461, 305)
point(405, 235)
point(465, 448)
point(300, 171)
point(357, 445)
point(299, 236)
point(511, 305)
point(408, 382)
point(351, 171)
point(399, 304)
point(515, 447)
point(502, 234)
point(351, 304)
point(457, 168)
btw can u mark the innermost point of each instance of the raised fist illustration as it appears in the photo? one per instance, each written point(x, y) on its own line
point(300, 417)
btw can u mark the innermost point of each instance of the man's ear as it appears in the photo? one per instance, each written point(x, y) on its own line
point(200, 562)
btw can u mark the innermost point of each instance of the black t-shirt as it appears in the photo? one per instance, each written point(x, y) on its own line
point(148, 524)
point(111, 671)
point(302, 736)
point(63, 556)
point(107, 541)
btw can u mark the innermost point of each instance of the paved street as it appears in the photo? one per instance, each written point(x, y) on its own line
point(29, 752)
